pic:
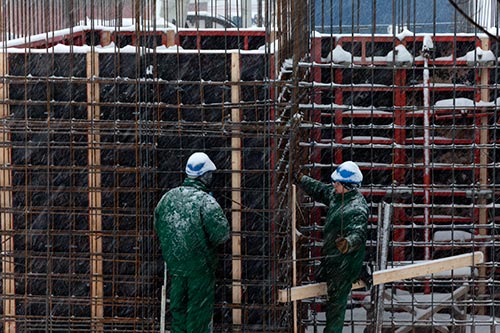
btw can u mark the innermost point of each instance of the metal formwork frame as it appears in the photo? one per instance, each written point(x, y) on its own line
point(419, 213)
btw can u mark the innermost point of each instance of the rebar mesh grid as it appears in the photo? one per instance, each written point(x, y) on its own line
point(97, 124)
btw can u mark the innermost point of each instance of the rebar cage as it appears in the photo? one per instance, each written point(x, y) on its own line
point(103, 101)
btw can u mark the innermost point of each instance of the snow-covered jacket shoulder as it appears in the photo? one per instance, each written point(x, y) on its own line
point(190, 224)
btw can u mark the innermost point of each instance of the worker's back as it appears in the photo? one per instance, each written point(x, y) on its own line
point(190, 224)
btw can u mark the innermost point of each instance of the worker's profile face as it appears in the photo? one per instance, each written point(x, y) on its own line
point(338, 187)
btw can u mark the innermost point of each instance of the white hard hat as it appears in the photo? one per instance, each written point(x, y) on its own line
point(198, 164)
point(348, 172)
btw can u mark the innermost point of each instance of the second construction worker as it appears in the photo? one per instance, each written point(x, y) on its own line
point(345, 233)
point(190, 225)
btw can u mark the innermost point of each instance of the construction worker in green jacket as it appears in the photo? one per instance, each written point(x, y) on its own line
point(190, 224)
point(345, 233)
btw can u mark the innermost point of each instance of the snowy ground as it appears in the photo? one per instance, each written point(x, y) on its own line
point(476, 324)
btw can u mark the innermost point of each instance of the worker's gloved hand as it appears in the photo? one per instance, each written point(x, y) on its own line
point(342, 245)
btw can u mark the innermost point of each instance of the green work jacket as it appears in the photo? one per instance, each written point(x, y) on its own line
point(190, 224)
point(347, 217)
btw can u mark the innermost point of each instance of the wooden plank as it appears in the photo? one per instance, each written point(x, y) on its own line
point(236, 191)
point(6, 215)
point(170, 38)
point(308, 291)
point(302, 292)
point(95, 195)
point(105, 37)
point(438, 306)
point(388, 275)
point(427, 267)
point(393, 304)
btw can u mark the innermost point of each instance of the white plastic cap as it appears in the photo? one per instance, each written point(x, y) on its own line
point(198, 164)
point(348, 172)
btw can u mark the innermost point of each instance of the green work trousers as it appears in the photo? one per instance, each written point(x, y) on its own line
point(338, 293)
point(191, 303)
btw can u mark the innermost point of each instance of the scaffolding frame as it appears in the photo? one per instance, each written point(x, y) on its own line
point(414, 135)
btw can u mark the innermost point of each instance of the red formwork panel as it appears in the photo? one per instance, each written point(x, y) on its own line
point(76, 37)
point(368, 49)
point(149, 39)
point(244, 36)
point(245, 39)
point(448, 48)
point(370, 52)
